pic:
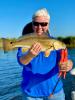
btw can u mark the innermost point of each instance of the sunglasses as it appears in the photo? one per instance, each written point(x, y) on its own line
point(38, 23)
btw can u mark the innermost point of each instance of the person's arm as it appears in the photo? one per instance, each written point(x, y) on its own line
point(25, 59)
point(32, 52)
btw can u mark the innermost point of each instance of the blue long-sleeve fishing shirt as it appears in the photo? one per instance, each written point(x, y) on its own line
point(41, 74)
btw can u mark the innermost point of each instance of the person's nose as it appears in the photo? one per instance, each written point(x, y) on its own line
point(39, 26)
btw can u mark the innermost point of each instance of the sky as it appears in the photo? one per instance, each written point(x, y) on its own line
point(15, 14)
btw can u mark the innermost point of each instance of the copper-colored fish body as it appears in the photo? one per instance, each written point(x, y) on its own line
point(27, 41)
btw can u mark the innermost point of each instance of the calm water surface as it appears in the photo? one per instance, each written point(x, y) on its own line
point(10, 77)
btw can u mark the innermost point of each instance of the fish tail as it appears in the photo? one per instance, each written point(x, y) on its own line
point(7, 45)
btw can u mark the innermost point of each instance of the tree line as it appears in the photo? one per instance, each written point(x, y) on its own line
point(69, 41)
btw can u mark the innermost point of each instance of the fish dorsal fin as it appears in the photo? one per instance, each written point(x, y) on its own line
point(33, 35)
point(25, 36)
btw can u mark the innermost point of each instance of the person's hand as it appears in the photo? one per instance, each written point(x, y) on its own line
point(35, 49)
point(65, 66)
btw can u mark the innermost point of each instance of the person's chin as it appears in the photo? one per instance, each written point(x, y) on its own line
point(39, 33)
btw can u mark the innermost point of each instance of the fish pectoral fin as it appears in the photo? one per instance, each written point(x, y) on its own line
point(24, 49)
point(47, 52)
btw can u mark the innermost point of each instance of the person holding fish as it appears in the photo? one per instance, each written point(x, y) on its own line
point(42, 69)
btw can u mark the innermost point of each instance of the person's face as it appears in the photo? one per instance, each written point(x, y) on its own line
point(40, 25)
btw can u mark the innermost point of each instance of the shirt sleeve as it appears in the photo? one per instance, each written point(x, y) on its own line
point(20, 54)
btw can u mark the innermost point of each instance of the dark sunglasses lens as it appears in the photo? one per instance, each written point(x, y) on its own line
point(42, 24)
point(35, 23)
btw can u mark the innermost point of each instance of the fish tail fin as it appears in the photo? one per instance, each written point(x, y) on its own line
point(7, 45)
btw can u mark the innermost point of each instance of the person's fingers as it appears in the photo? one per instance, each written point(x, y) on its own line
point(64, 68)
point(66, 65)
point(69, 65)
point(60, 73)
point(36, 48)
point(64, 74)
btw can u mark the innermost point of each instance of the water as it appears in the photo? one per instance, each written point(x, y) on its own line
point(10, 77)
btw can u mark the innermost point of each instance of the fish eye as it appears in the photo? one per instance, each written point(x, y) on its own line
point(10, 42)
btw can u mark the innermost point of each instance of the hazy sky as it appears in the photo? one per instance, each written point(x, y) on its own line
point(15, 14)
